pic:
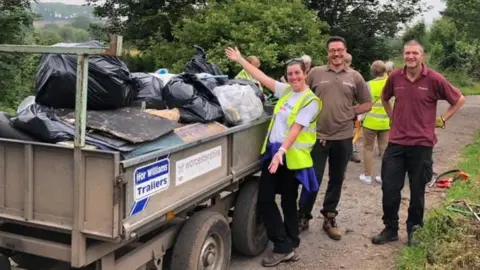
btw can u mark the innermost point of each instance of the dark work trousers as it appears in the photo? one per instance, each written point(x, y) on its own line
point(284, 234)
point(338, 154)
point(398, 160)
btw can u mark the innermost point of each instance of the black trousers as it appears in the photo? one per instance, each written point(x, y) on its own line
point(283, 233)
point(338, 154)
point(398, 160)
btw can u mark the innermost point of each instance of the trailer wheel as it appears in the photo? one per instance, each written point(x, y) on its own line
point(248, 232)
point(5, 262)
point(204, 243)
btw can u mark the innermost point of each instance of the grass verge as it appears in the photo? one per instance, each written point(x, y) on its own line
point(450, 240)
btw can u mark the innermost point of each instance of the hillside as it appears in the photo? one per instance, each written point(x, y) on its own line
point(60, 12)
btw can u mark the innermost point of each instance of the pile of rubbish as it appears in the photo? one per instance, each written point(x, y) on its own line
point(126, 110)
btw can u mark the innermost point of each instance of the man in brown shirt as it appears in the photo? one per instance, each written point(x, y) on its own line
point(340, 88)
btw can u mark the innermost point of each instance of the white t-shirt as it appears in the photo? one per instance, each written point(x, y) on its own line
point(304, 117)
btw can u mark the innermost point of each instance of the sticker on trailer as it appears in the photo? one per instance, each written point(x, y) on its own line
point(197, 165)
point(148, 181)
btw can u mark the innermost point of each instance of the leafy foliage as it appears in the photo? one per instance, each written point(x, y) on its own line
point(16, 69)
point(144, 19)
point(366, 24)
point(60, 11)
point(464, 13)
point(275, 33)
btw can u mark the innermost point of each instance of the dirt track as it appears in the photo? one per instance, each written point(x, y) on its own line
point(360, 209)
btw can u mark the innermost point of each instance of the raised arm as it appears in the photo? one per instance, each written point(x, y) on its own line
point(235, 55)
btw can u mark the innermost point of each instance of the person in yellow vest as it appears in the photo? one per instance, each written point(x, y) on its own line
point(243, 74)
point(307, 60)
point(286, 156)
point(376, 123)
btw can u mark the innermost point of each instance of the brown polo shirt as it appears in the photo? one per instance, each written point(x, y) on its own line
point(340, 92)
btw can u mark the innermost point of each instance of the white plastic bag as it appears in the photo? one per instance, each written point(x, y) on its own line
point(239, 103)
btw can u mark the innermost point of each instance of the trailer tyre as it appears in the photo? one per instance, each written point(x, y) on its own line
point(204, 242)
point(5, 263)
point(248, 232)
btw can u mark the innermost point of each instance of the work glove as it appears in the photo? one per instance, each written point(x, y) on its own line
point(440, 122)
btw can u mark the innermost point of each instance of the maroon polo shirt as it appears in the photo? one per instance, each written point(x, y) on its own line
point(415, 109)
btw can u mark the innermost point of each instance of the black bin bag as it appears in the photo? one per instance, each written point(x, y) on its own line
point(198, 64)
point(110, 85)
point(193, 98)
point(41, 122)
point(149, 90)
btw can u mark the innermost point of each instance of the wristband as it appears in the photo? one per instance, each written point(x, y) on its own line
point(282, 149)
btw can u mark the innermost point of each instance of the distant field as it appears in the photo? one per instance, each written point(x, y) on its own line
point(42, 23)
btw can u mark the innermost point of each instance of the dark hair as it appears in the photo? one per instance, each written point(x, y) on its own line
point(336, 39)
point(294, 61)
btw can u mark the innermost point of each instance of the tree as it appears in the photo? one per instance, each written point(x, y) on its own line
point(465, 15)
point(81, 22)
point(275, 33)
point(418, 32)
point(366, 24)
point(15, 18)
point(138, 21)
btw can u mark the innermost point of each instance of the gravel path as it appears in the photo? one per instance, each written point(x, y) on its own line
point(360, 209)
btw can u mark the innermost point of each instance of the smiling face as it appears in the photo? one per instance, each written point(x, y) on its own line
point(296, 77)
point(336, 53)
point(413, 55)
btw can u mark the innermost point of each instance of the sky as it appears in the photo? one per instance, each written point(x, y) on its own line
point(438, 6)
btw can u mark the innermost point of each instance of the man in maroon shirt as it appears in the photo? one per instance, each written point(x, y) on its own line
point(416, 89)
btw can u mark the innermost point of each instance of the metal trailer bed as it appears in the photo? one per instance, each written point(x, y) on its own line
point(63, 207)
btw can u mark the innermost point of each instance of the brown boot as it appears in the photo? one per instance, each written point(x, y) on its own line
point(330, 227)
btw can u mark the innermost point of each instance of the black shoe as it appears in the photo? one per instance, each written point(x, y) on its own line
point(387, 235)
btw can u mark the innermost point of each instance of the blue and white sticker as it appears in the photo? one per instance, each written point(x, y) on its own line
point(148, 181)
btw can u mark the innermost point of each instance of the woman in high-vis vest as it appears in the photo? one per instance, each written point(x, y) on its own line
point(376, 123)
point(286, 155)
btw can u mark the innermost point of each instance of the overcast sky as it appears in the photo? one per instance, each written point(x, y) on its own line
point(429, 16)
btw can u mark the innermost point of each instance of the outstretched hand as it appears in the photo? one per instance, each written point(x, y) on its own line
point(276, 162)
point(233, 54)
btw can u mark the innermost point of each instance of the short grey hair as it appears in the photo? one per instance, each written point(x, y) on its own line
point(389, 65)
point(306, 59)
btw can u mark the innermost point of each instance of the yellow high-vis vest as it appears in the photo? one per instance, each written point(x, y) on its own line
point(377, 118)
point(243, 74)
point(298, 155)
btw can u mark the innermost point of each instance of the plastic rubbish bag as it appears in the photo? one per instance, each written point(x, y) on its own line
point(198, 64)
point(110, 85)
point(258, 92)
point(9, 132)
point(193, 98)
point(41, 122)
point(239, 103)
point(25, 103)
point(149, 90)
point(164, 77)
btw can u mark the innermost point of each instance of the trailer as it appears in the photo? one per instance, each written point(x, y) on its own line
point(181, 207)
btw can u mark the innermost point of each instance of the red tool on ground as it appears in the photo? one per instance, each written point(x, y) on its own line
point(446, 179)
